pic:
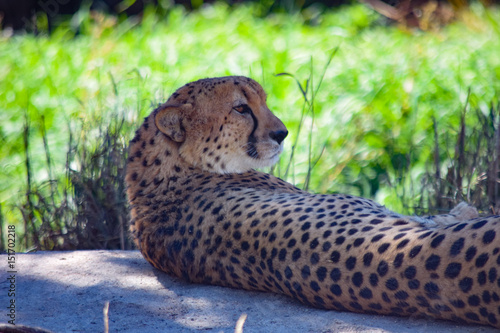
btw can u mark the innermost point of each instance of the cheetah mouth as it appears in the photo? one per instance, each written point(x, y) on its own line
point(263, 154)
point(274, 154)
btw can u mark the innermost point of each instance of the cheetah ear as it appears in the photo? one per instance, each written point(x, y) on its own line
point(169, 121)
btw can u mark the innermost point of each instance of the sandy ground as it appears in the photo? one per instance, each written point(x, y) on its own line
point(67, 291)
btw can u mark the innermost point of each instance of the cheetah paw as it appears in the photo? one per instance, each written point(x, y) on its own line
point(463, 212)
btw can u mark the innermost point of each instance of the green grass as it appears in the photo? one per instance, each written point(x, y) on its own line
point(368, 130)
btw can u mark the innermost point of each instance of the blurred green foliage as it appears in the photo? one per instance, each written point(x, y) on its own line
point(369, 129)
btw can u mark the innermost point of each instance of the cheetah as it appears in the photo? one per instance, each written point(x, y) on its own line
point(200, 212)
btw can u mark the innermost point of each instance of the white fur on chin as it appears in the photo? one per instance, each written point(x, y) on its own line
point(246, 163)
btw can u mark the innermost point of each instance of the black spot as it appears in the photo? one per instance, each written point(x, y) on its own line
point(453, 270)
point(459, 227)
point(326, 246)
point(415, 251)
point(472, 316)
point(373, 279)
point(340, 240)
point(366, 293)
point(314, 258)
point(479, 224)
point(403, 243)
point(367, 259)
point(457, 247)
point(398, 236)
point(471, 253)
point(350, 263)
point(335, 274)
point(358, 242)
point(392, 284)
point(437, 241)
point(263, 253)
point(165, 231)
point(427, 234)
point(314, 243)
point(377, 238)
point(335, 257)
point(296, 255)
point(305, 272)
point(486, 297)
point(306, 225)
point(288, 272)
point(282, 255)
point(321, 273)
point(217, 210)
point(287, 233)
point(182, 230)
point(382, 248)
point(305, 237)
point(314, 286)
point(356, 306)
point(466, 284)
point(474, 300)
point(489, 236)
point(481, 260)
point(297, 286)
point(413, 284)
point(459, 304)
point(401, 295)
point(432, 262)
point(357, 279)
point(432, 290)
point(492, 275)
point(176, 246)
point(234, 260)
point(382, 268)
point(398, 261)
point(336, 290)
point(410, 272)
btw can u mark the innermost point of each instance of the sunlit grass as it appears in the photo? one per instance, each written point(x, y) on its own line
point(372, 133)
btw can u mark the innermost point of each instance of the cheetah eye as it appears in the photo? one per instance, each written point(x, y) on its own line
point(243, 108)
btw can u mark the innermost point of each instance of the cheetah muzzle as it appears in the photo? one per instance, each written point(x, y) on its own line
point(200, 212)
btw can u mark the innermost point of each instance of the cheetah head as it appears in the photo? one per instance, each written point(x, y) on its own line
point(222, 125)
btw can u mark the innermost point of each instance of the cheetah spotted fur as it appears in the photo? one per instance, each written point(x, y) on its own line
point(200, 212)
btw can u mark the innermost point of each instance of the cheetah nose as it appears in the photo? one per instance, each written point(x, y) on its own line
point(278, 136)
